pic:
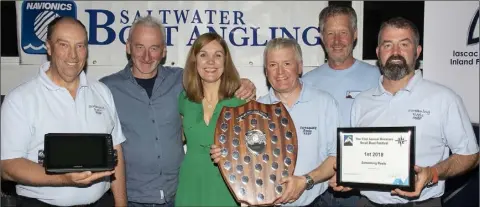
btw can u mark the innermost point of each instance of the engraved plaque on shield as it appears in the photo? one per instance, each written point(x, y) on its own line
point(259, 146)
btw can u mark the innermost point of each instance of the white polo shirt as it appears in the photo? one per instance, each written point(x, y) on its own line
point(440, 118)
point(38, 107)
point(315, 115)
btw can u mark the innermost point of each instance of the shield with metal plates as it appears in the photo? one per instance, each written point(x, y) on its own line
point(258, 147)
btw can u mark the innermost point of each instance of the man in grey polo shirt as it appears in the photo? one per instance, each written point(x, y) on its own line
point(404, 98)
point(146, 95)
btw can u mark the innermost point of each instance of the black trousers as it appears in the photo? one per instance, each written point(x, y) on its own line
point(105, 201)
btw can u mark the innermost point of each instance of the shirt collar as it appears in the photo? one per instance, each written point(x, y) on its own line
point(305, 94)
point(50, 84)
point(414, 81)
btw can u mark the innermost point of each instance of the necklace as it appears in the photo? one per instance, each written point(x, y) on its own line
point(209, 104)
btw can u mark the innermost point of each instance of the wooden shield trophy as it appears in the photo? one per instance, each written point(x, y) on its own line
point(259, 146)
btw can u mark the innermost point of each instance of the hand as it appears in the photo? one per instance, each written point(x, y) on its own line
point(333, 182)
point(423, 177)
point(295, 185)
point(247, 90)
point(215, 153)
point(85, 178)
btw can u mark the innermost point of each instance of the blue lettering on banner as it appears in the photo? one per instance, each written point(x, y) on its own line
point(230, 24)
point(207, 20)
point(36, 15)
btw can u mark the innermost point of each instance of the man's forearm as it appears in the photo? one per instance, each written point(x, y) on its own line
point(26, 172)
point(455, 165)
point(118, 185)
point(324, 171)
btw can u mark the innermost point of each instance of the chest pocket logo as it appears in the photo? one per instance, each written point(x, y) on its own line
point(418, 114)
point(98, 109)
point(307, 130)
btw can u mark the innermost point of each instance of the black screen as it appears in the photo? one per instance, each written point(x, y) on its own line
point(67, 151)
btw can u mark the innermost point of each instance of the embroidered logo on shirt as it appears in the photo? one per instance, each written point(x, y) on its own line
point(418, 114)
point(308, 130)
point(98, 109)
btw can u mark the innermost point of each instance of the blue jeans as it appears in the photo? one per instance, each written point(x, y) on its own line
point(135, 204)
point(331, 198)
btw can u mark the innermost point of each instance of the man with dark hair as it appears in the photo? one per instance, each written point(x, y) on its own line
point(60, 100)
point(443, 123)
point(343, 76)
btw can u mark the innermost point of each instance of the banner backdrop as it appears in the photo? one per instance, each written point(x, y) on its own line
point(246, 26)
point(451, 46)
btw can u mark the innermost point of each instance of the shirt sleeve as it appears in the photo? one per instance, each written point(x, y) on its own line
point(332, 123)
point(117, 133)
point(181, 102)
point(458, 129)
point(15, 130)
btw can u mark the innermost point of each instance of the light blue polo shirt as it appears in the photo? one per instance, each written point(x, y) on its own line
point(38, 107)
point(315, 116)
point(344, 85)
point(440, 118)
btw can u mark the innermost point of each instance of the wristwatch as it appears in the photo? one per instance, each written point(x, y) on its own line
point(309, 183)
point(434, 177)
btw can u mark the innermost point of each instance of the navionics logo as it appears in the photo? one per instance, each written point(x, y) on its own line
point(36, 15)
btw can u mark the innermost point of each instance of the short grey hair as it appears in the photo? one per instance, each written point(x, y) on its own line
point(335, 10)
point(400, 23)
point(280, 43)
point(150, 22)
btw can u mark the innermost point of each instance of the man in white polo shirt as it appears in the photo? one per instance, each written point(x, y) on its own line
point(404, 98)
point(60, 100)
point(315, 115)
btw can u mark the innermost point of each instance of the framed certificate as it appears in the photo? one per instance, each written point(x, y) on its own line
point(376, 158)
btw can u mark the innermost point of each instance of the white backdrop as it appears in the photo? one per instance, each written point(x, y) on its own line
point(446, 29)
point(448, 26)
point(245, 25)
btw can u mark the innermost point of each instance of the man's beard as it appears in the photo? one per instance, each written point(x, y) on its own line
point(396, 70)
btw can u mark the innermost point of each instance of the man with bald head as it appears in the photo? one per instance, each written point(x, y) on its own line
point(59, 100)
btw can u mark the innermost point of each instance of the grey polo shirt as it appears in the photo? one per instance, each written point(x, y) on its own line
point(154, 149)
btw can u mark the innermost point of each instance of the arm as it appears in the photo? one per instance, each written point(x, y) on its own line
point(26, 172)
point(327, 125)
point(461, 140)
point(118, 185)
point(323, 172)
point(456, 165)
point(459, 135)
